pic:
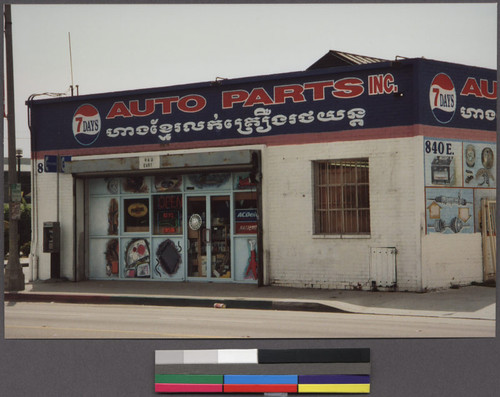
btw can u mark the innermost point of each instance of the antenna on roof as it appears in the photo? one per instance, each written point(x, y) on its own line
point(71, 66)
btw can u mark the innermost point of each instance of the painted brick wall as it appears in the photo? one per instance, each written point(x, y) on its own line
point(46, 188)
point(297, 258)
point(293, 255)
point(451, 259)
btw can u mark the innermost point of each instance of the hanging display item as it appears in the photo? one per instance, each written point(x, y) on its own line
point(137, 258)
point(208, 180)
point(113, 217)
point(195, 222)
point(167, 183)
point(245, 182)
point(113, 185)
point(135, 184)
point(251, 271)
point(168, 258)
point(111, 256)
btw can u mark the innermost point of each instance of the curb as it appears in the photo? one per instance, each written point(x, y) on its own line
point(180, 302)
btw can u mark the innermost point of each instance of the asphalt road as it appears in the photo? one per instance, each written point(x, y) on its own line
point(82, 321)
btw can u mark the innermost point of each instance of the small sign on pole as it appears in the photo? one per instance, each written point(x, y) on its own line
point(15, 192)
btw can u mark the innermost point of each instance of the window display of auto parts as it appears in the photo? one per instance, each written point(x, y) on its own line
point(456, 225)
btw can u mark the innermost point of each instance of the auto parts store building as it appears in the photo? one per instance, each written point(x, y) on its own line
point(357, 173)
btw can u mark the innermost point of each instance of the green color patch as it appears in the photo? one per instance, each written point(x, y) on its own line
point(190, 379)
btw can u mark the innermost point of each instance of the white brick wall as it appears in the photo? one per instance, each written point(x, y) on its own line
point(46, 201)
point(451, 259)
point(297, 258)
point(293, 255)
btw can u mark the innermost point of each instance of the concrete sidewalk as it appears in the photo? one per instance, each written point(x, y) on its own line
point(473, 302)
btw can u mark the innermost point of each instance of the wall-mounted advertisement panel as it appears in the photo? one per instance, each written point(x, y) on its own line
point(443, 162)
point(457, 175)
point(479, 164)
point(449, 211)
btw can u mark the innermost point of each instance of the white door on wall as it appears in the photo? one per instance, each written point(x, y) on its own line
point(383, 267)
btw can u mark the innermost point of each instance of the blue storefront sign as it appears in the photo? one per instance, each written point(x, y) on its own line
point(338, 99)
point(50, 163)
point(457, 96)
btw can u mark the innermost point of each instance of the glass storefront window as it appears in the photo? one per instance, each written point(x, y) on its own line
point(173, 227)
point(167, 214)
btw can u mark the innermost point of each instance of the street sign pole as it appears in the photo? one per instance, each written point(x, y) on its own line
point(14, 277)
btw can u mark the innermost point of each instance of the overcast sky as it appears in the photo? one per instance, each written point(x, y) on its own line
point(122, 47)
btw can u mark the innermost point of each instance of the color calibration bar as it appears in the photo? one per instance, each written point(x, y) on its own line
point(263, 371)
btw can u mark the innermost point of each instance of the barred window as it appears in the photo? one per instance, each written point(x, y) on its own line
point(341, 197)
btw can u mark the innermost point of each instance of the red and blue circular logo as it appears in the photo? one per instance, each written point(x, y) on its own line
point(86, 124)
point(443, 98)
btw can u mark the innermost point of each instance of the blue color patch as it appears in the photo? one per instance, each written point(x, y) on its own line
point(261, 379)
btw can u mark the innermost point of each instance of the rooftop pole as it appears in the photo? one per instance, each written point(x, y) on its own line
point(14, 277)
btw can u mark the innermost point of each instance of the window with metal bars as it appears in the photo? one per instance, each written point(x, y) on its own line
point(342, 197)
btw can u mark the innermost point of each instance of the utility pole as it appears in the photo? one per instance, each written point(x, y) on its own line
point(14, 277)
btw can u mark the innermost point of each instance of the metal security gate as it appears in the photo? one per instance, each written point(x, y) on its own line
point(383, 267)
point(489, 236)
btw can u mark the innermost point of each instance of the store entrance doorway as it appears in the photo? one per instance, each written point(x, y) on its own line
point(209, 236)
